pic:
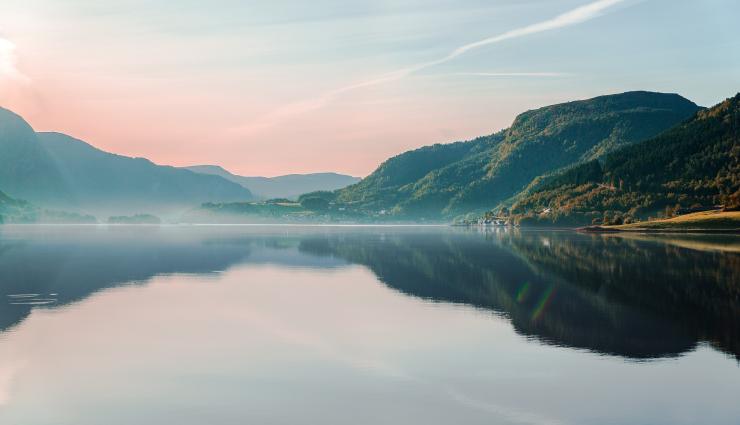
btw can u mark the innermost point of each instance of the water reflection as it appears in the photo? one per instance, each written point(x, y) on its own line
point(54, 266)
point(638, 299)
point(609, 295)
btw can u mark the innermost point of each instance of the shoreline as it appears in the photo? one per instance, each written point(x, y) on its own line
point(609, 229)
point(712, 222)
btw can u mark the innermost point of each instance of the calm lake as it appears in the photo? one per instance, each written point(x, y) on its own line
point(232, 325)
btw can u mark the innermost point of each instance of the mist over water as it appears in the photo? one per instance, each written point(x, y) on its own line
point(335, 325)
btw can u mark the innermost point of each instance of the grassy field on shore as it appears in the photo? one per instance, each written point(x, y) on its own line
point(708, 220)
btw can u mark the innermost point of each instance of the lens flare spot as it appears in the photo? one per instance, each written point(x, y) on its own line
point(543, 303)
point(521, 295)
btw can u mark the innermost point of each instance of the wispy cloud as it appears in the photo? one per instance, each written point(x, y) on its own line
point(569, 18)
point(8, 65)
point(514, 74)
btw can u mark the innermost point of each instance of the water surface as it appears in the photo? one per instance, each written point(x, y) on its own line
point(322, 325)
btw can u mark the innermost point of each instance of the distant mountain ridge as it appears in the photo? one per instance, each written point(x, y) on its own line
point(288, 186)
point(445, 180)
point(59, 171)
point(617, 142)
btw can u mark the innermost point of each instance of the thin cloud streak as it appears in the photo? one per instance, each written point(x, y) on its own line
point(513, 74)
point(575, 16)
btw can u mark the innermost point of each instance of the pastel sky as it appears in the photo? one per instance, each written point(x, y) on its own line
point(282, 86)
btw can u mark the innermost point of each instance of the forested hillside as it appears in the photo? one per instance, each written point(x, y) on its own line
point(447, 180)
point(694, 165)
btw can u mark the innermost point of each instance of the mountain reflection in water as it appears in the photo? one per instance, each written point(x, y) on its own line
point(638, 299)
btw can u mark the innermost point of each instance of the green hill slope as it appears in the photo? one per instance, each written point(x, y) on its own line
point(393, 184)
point(694, 164)
point(447, 180)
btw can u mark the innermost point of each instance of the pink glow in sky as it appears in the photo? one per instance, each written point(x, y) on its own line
point(269, 88)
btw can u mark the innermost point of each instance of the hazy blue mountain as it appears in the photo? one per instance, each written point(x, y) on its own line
point(27, 170)
point(447, 180)
point(127, 184)
point(288, 186)
point(58, 171)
